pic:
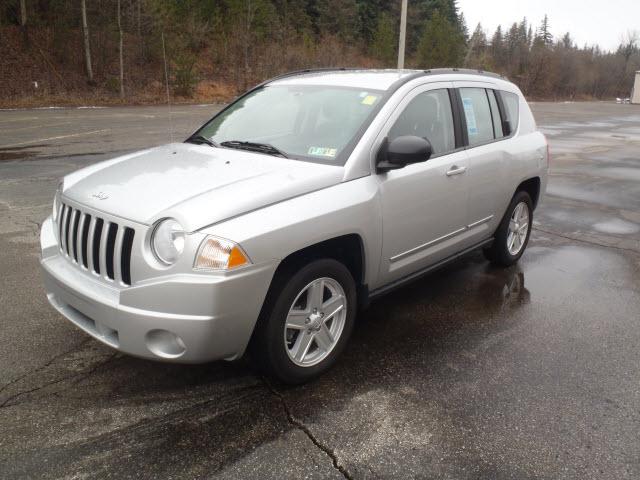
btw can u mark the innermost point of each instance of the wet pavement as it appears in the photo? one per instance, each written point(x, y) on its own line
point(472, 372)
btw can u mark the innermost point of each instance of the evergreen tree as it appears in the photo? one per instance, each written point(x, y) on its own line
point(369, 13)
point(497, 49)
point(478, 55)
point(544, 34)
point(338, 17)
point(462, 23)
point(384, 42)
point(441, 44)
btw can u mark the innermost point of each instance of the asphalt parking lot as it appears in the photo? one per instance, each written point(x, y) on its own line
point(472, 372)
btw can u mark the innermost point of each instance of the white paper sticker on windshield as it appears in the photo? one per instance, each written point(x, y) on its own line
point(322, 151)
point(470, 114)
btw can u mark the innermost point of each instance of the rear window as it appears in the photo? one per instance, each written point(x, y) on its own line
point(511, 105)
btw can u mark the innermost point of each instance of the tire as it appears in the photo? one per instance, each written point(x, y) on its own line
point(500, 253)
point(281, 350)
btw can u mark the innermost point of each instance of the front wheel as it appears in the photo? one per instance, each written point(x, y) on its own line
point(311, 317)
point(513, 233)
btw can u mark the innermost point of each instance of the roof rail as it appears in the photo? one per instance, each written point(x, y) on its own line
point(465, 71)
point(414, 74)
point(432, 71)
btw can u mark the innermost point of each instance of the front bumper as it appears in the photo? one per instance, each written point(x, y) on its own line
point(185, 318)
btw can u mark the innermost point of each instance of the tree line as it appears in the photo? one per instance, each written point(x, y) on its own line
point(121, 47)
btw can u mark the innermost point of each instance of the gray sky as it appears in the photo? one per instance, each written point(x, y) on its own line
point(601, 22)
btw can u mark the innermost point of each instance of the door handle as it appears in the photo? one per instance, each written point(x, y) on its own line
point(456, 170)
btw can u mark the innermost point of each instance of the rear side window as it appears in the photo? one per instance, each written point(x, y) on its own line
point(477, 112)
point(429, 116)
point(511, 103)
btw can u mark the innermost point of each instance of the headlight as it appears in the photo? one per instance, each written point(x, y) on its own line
point(167, 241)
point(56, 202)
point(220, 254)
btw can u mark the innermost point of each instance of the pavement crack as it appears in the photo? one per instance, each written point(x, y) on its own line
point(9, 402)
point(15, 396)
point(304, 429)
point(45, 365)
point(589, 242)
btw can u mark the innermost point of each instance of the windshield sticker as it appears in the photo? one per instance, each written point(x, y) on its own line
point(323, 152)
point(369, 100)
point(470, 114)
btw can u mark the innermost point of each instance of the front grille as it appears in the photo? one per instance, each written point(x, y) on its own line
point(96, 244)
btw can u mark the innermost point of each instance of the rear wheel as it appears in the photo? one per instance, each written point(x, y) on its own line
point(512, 235)
point(309, 322)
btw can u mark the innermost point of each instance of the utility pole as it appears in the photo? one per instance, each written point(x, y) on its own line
point(23, 21)
point(403, 34)
point(87, 47)
point(120, 50)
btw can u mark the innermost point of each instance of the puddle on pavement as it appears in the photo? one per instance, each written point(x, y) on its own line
point(563, 216)
point(617, 226)
point(471, 305)
point(620, 173)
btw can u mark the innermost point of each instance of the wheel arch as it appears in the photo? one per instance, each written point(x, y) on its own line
point(532, 187)
point(348, 249)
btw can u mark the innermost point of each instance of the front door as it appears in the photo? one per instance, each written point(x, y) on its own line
point(424, 205)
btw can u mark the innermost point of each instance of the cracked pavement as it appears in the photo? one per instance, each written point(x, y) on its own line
point(472, 372)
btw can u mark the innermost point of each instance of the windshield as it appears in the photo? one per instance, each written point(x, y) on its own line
point(313, 123)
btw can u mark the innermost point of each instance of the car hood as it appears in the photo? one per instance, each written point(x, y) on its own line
point(196, 184)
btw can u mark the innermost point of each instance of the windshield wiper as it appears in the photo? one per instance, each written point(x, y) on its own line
point(254, 147)
point(200, 139)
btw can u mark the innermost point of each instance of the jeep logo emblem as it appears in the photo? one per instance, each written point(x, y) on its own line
point(100, 196)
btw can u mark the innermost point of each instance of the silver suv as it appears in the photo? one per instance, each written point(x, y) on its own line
point(291, 208)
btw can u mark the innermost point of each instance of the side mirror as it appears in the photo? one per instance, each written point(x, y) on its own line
point(402, 151)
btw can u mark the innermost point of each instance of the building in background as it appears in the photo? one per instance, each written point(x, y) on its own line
point(635, 93)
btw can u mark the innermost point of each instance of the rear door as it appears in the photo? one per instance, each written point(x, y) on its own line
point(488, 168)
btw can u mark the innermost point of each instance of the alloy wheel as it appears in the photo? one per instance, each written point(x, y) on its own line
point(518, 228)
point(315, 322)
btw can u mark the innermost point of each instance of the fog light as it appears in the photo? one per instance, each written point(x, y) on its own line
point(165, 344)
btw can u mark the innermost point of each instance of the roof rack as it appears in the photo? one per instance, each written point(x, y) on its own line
point(412, 74)
point(432, 71)
point(465, 71)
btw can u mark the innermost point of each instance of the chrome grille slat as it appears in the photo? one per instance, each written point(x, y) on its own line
point(63, 232)
point(59, 217)
point(110, 248)
point(95, 243)
point(117, 256)
point(92, 229)
point(73, 235)
point(67, 228)
point(102, 255)
point(80, 229)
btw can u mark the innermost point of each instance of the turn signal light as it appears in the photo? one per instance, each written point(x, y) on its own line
point(220, 254)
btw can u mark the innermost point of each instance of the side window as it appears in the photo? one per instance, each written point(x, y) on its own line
point(495, 115)
point(429, 116)
point(478, 115)
point(511, 102)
